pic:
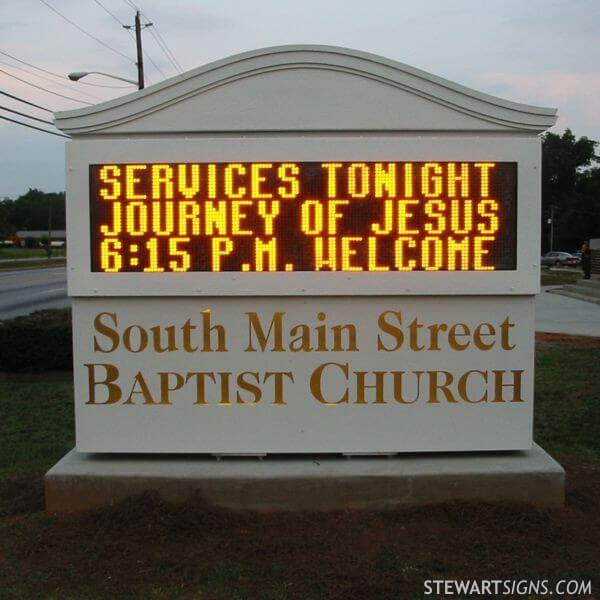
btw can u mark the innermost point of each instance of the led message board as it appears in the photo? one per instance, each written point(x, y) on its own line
point(303, 216)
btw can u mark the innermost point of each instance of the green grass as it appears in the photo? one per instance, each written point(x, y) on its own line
point(36, 424)
point(8, 253)
point(567, 403)
point(32, 264)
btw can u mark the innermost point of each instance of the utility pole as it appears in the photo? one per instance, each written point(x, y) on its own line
point(138, 42)
point(551, 219)
point(49, 248)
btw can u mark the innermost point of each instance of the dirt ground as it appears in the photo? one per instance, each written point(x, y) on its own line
point(145, 547)
point(572, 341)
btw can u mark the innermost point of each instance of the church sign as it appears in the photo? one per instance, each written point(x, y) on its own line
point(304, 249)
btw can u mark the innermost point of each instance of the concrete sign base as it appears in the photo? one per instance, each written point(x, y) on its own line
point(84, 481)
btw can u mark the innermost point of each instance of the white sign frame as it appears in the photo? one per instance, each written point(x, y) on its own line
point(524, 150)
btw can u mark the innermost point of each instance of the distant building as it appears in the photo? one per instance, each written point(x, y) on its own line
point(58, 236)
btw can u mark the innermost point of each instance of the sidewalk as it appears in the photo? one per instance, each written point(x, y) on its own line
point(560, 314)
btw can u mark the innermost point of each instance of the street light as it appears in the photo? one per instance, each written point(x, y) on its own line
point(77, 75)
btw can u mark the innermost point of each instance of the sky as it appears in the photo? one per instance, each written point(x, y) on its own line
point(540, 52)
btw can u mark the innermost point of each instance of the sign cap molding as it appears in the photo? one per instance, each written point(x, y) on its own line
point(304, 88)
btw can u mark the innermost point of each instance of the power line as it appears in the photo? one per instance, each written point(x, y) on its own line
point(44, 89)
point(34, 127)
point(157, 38)
point(116, 87)
point(131, 4)
point(108, 11)
point(168, 48)
point(26, 102)
point(85, 32)
point(153, 63)
point(26, 115)
point(127, 28)
point(130, 34)
point(150, 59)
point(50, 80)
point(164, 49)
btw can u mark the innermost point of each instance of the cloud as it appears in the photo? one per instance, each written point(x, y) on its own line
point(574, 94)
point(9, 25)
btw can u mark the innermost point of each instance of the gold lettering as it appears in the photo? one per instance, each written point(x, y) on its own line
point(247, 386)
point(478, 334)
point(463, 389)
point(391, 330)
point(435, 385)
point(107, 331)
point(208, 329)
point(166, 388)
point(316, 387)
point(111, 375)
point(499, 386)
point(362, 386)
point(458, 330)
point(255, 327)
point(278, 377)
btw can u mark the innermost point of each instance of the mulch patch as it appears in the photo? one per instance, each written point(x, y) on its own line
point(573, 341)
point(146, 544)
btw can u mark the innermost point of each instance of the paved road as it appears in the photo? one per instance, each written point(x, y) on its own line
point(22, 292)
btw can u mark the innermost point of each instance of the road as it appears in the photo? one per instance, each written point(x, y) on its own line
point(22, 292)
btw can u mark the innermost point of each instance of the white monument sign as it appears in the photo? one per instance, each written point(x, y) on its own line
point(304, 249)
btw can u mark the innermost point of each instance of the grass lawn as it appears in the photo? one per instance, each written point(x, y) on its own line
point(33, 264)
point(37, 258)
point(8, 253)
point(151, 549)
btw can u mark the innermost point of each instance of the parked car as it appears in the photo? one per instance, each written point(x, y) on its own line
point(560, 259)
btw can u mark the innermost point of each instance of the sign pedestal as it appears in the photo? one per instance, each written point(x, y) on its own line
point(86, 481)
point(304, 252)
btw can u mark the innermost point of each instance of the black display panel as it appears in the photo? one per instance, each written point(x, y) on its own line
point(303, 216)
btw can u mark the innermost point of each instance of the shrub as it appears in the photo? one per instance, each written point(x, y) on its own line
point(41, 341)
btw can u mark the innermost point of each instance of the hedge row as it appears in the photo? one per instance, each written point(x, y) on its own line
point(41, 341)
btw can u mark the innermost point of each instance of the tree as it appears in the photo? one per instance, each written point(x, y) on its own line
point(570, 185)
point(6, 226)
point(31, 210)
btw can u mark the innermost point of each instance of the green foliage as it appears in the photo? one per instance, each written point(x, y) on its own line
point(31, 211)
point(31, 243)
point(570, 183)
point(6, 227)
point(37, 342)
